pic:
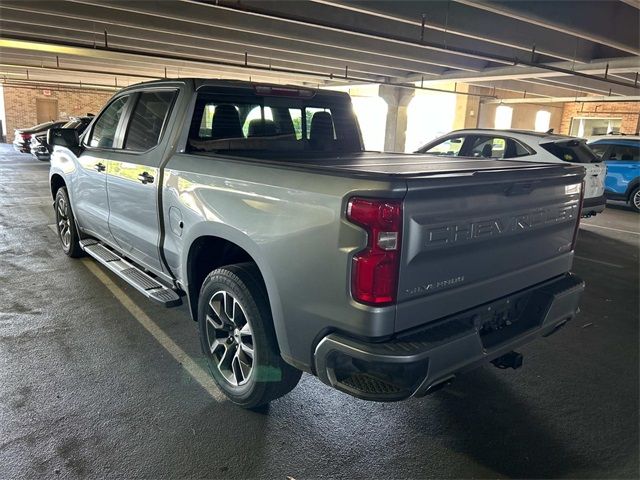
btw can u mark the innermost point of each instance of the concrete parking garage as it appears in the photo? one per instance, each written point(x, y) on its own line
point(97, 382)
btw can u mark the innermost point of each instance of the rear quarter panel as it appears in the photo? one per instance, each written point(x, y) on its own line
point(292, 224)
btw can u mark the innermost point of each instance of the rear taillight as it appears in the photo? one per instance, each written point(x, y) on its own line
point(575, 232)
point(374, 272)
point(25, 136)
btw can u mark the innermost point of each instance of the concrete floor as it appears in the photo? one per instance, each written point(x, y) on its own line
point(87, 391)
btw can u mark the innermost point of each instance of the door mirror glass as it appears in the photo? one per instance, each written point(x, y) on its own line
point(63, 137)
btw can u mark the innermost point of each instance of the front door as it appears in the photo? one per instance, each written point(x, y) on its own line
point(133, 179)
point(89, 189)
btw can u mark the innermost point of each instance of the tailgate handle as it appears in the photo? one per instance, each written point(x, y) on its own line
point(520, 189)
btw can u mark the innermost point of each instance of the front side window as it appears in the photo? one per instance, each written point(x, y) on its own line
point(450, 147)
point(147, 120)
point(599, 149)
point(104, 130)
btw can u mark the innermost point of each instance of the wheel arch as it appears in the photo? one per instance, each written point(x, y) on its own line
point(56, 182)
point(208, 251)
point(633, 184)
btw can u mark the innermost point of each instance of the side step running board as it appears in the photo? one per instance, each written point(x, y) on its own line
point(135, 277)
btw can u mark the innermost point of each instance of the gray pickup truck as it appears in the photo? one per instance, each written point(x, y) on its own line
point(385, 275)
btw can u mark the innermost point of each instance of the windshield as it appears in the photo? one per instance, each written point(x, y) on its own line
point(250, 122)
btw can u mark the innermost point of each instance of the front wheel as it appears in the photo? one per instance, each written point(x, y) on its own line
point(66, 225)
point(634, 199)
point(238, 338)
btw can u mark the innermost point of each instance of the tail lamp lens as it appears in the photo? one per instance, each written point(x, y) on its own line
point(579, 215)
point(374, 272)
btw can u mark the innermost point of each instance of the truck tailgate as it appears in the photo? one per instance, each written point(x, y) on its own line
point(469, 239)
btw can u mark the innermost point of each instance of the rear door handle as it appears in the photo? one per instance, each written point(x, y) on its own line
point(145, 178)
point(100, 167)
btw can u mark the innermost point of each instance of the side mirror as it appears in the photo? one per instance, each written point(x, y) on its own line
point(63, 137)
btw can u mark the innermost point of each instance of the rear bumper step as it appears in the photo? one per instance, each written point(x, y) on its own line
point(418, 362)
point(144, 283)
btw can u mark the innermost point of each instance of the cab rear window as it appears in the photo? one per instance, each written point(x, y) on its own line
point(573, 151)
point(252, 122)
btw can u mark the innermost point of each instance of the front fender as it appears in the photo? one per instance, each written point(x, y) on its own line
point(62, 163)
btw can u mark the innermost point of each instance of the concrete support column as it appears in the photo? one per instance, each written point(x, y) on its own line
point(467, 108)
point(397, 99)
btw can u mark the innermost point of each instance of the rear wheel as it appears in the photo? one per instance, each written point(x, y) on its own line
point(66, 225)
point(634, 199)
point(238, 338)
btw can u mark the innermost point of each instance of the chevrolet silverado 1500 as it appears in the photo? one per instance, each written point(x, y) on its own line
point(385, 275)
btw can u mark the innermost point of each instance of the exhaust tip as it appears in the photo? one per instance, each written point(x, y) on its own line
point(509, 360)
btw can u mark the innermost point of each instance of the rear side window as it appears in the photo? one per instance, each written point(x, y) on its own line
point(573, 151)
point(147, 120)
point(104, 130)
point(498, 147)
point(488, 147)
point(624, 153)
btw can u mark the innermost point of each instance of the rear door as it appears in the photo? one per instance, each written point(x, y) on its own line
point(89, 188)
point(133, 177)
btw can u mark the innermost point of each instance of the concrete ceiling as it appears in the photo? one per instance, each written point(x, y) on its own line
point(546, 49)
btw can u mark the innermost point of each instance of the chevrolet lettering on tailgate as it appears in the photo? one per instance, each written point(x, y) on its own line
point(458, 232)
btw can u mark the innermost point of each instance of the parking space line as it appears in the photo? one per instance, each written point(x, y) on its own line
point(196, 372)
point(23, 182)
point(609, 228)
point(599, 261)
point(25, 164)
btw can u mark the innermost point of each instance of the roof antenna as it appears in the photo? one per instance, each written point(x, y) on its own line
point(549, 131)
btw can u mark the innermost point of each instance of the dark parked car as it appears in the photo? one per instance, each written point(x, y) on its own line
point(22, 137)
point(42, 150)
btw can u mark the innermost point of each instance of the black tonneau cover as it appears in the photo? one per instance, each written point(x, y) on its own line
point(387, 164)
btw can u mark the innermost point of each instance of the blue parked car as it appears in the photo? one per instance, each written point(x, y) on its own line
point(622, 155)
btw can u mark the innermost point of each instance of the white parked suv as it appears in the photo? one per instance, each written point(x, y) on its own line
point(527, 146)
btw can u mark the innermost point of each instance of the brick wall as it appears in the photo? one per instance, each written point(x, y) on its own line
point(629, 112)
point(20, 104)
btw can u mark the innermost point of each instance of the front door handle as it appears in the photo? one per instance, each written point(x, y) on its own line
point(145, 178)
point(100, 167)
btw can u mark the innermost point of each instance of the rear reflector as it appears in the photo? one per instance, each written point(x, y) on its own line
point(374, 272)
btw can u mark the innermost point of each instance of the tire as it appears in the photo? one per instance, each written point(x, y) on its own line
point(238, 338)
point(66, 225)
point(634, 199)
